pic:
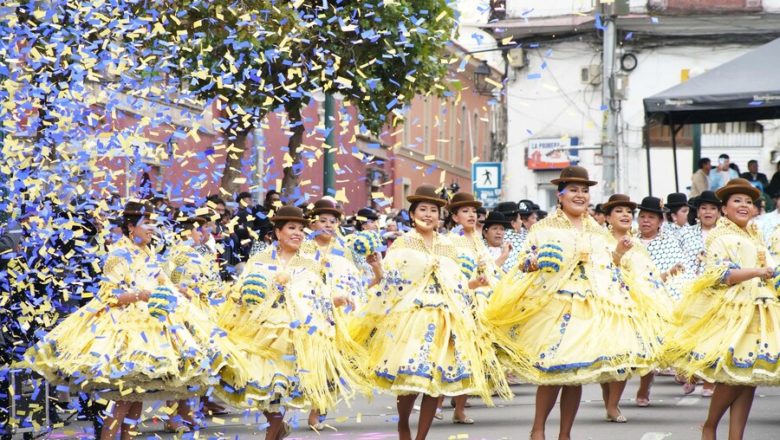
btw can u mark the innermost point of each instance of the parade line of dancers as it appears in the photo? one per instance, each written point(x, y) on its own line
point(318, 318)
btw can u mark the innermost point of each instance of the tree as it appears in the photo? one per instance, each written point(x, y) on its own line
point(251, 57)
point(54, 57)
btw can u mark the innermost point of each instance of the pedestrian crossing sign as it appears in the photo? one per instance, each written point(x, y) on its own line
point(486, 175)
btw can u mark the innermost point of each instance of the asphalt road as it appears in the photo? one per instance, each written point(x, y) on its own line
point(670, 416)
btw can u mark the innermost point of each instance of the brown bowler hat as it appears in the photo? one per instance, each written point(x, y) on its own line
point(426, 193)
point(616, 200)
point(289, 214)
point(738, 186)
point(325, 206)
point(574, 174)
point(461, 199)
point(138, 208)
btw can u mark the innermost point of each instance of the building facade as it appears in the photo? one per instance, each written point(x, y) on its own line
point(554, 92)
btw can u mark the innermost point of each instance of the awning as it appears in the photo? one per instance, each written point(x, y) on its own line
point(744, 89)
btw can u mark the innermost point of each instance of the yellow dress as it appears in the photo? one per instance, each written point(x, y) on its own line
point(289, 338)
point(420, 327)
point(651, 295)
point(198, 271)
point(338, 270)
point(123, 351)
point(475, 248)
point(729, 334)
point(577, 325)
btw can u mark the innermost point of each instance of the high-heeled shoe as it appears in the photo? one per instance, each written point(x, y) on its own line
point(176, 427)
point(285, 431)
point(620, 418)
point(466, 421)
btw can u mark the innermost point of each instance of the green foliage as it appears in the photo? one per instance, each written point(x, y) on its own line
point(255, 56)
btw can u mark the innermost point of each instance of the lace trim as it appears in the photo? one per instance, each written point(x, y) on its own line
point(442, 246)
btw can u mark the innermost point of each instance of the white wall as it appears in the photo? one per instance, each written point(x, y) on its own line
point(558, 104)
point(471, 15)
point(547, 8)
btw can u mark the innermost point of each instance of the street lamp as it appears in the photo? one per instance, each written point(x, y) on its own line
point(481, 75)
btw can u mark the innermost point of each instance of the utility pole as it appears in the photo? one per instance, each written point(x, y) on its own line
point(329, 159)
point(609, 129)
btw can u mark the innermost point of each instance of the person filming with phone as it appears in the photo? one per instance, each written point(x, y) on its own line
point(720, 175)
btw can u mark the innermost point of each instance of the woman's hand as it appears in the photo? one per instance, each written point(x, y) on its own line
point(143, 295)
point(624, 245)
point(375, 261)
point(340, 301)
point(674, 270)
point(506, 249)
point(184, 291)
point(480, 281)
point(132, 297)
point(765, 273)
point(529, 264)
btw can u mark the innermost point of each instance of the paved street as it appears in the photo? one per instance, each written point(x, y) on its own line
point(671, 416)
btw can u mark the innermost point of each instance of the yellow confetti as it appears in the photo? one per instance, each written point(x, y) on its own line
point(341, 196)
point(430, 157)
point(359, 418)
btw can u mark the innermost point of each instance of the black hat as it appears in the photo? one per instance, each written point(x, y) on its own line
point(706, 197)
point(138, 208)
point(525, 207)
point(676, 200)
point(652, 204)
point(507, 208)
point(496, 218)
point(364, 214)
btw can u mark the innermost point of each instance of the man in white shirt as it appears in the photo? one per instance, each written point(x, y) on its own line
point(721, 175)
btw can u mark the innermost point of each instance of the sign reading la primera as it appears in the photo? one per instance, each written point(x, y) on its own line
point(552, 153)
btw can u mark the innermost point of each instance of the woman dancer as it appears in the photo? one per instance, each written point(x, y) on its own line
point(468, 243)
point(676, 215)
point(337, 269)
point(419, 325)
point(670, 258)
point(139, 339)
point(555, 312)
point(707, 214)
point(283, 312)
point(648, 290)
point(727, 328)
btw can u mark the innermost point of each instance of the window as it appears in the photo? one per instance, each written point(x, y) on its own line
point(464, 136)
point(441, 116)
point(477, 148)
point(408, 128)
point(426, 125)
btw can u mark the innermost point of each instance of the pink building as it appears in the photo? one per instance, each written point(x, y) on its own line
point(437, 144)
